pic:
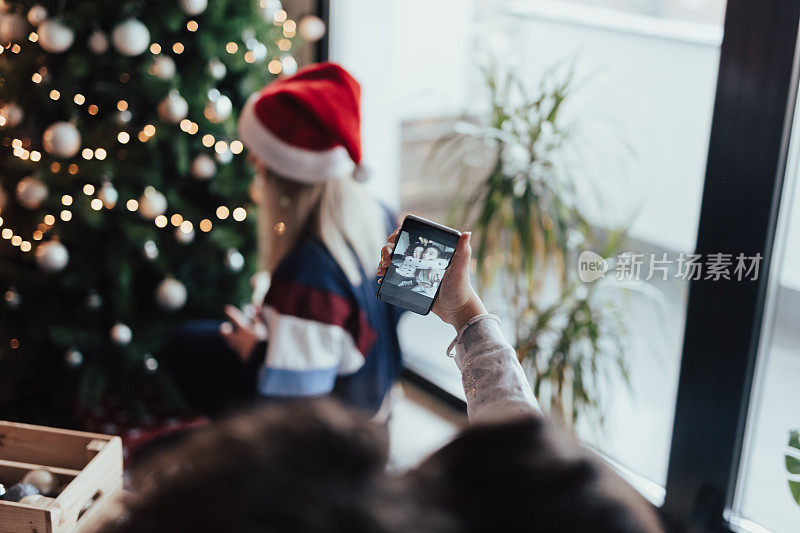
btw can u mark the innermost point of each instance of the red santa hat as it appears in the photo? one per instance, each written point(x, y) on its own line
point(306, 127)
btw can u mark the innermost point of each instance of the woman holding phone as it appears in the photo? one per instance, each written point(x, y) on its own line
point(318, 329)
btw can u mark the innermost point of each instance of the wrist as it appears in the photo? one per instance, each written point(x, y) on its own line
point(471, 308)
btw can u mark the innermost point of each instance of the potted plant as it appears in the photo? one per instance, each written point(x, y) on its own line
point(521, 201)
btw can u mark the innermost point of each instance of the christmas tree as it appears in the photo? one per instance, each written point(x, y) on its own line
point(123, 189)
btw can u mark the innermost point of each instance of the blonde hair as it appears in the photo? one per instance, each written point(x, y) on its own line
point(339, 212)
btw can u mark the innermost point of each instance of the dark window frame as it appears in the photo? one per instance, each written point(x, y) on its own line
point(748, 147)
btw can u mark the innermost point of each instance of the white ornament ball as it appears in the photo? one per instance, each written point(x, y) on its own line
point(150, 250)
point(12, 113)
point(124, 116)
point(203, 167)
point(62, 139)
point(98, 42)
point(55, 36)
point(193, 7)
point(269, 8)
point(121, 334)
point(173, 108)
point(150, 363)
point(218, 108)
point(73, 358)
point(31, 192)
point(224, 157)
point(37, 14)
point(108, 195)
point(12, 27)
point(42, 479)
point(259, 51)
point(311, 28)
point(163, 67)
point(152, 203)
point(171, 294)
point(52, 256)
point(184, 237)
point(288, 65)
point(131, 37)
point(234, 260)
point(12, 298)
point(217, 69)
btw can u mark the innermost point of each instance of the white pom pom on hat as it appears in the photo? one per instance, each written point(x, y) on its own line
point(307, 127)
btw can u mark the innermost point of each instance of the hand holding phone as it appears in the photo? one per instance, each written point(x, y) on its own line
point(455, 300)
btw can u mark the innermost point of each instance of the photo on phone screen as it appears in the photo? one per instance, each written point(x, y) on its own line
point(421, 255)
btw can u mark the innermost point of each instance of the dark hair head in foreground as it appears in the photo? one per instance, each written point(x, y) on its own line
point(313, 466)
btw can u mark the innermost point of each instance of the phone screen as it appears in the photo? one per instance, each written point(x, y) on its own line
point(421, 255)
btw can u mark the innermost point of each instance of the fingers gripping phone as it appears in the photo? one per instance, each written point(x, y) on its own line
point(420, 257)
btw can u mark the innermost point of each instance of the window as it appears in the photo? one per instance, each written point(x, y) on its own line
point(704, 123)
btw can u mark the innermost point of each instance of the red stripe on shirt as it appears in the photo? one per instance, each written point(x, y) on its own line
point(302, 301)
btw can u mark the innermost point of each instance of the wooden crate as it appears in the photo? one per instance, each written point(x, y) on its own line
point(87, 465)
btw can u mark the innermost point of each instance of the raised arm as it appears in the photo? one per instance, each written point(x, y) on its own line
point(494, 383)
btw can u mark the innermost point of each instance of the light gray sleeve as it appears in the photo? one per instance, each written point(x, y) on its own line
point(496, 387)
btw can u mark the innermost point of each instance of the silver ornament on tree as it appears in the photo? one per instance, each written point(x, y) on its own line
point(193, 7)
point(184, 237)
point(55, 36)
point(311, 28)
point(269, 8)
point(150, 250)
point(12, 114)
point(152, 203)
point(218, 108)
point(52, 256)
point(150, 363)
point(163, 67)
point(93, 300)
point(203, 167)
point(61, 139)
point(73, 358)
point(288, 64)
point(37, 14)
point(234, 260)
point(12, 298)
point(173, 108)
point(131, 37)
point(121, 334)
point(124, 116)
point(31, 192)
point(98, 42)
point(171, 294)
point(108, 195)
point(12, 27)
point(217, 69)
point(224, 157)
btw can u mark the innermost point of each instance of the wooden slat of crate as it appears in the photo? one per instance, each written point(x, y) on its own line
point(17, 517)
point(40, 445)
point(102, 476)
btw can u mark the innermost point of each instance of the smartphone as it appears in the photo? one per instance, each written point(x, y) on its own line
point(420, 257)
